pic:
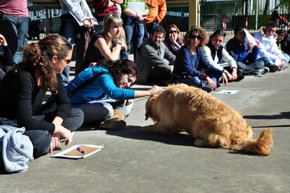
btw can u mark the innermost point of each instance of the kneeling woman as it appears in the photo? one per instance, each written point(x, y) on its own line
point(23, 89)
point(191, 67)
point(107, 85)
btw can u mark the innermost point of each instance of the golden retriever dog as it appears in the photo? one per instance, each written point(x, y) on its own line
point(211, 122)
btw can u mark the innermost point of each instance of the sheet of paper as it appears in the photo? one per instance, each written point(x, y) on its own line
point(228, 91)
point(79, 151)
point(249, 38)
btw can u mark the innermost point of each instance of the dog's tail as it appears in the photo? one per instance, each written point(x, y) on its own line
point(260, 146)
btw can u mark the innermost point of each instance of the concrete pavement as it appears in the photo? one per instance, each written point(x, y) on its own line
point(137, 162)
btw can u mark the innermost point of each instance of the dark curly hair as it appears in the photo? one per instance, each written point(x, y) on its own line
point(202, 34)
point(119, 67)
point(37, 57)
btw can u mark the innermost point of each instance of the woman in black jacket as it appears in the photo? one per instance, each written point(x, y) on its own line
point(23, 89)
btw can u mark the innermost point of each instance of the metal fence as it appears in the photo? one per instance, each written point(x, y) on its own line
point(213, 12)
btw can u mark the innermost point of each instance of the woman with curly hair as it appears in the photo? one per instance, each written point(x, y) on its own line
point(105, 97)
point(191, 67)
point(106, 44)
point(23, 89)
point(173, 39)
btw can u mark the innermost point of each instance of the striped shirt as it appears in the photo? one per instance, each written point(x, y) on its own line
point(102, 9)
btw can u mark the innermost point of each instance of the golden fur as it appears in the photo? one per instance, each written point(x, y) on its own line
point(211, 122)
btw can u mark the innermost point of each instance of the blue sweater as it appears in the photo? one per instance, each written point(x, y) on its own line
point(103, 84)
point(240, 51)
point(184, 63)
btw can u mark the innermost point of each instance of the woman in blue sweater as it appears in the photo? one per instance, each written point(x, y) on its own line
point(107, 98)
point(191, 67)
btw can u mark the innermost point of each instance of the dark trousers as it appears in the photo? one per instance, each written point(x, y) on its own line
point(159, 76)
point(41, 138)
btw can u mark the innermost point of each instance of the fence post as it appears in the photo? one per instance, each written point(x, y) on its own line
point(246, 23)
point(224, 24)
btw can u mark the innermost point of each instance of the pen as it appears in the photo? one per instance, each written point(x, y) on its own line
point(80, 150)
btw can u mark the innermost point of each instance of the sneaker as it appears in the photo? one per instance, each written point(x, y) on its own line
point(239, 72)
point(274, 68)
point(266, 69)
point(207, 89)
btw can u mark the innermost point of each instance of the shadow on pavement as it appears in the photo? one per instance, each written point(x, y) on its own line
point(134, 132)
point(282, 115)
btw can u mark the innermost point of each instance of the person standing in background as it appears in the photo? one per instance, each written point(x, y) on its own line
point(133, 14)
point(76, 19)
point(157, 12)
point(14, 16)
point(275, 17)
point(103, 8)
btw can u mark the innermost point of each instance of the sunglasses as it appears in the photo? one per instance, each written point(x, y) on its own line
point(191, 36)
point(67, 61)
point(171, 32)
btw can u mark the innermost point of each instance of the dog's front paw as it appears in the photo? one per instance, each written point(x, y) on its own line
point(147, 128)
point(199, 143)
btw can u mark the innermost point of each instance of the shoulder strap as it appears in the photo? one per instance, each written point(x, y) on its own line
point(84, 84)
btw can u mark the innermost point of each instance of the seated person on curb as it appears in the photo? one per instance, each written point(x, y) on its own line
point(269, 51)
point(245, 54)
point(150, 61)
point(283, 42)
point(6, 61)
point(191, 67)
point(173, 39)
point(23, 89)
point(109, 89)
point(106, 44)
point(215, 53)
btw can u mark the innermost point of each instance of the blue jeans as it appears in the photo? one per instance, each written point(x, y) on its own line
point(19, 30)
point(100, 111)
point(99, 27)
point(197, 82)
point(287, 60)
point(131, 35)
point(151, 26)
point(76, 36)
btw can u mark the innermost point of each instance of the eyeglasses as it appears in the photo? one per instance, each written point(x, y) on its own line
point(191, 36)
point(171, 32)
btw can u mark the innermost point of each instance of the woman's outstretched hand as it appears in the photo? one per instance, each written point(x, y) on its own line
point(155, 89)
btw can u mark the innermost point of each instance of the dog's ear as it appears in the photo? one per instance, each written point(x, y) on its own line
point(150, 105)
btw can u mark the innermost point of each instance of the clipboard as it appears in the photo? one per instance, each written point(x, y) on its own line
point(79, 151)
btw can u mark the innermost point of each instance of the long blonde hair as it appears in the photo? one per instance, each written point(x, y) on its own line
point(109, 20)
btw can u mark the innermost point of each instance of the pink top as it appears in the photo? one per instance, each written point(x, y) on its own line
point(16, 8)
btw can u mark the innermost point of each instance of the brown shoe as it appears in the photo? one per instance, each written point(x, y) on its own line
point(114, 123)
point(274, 68)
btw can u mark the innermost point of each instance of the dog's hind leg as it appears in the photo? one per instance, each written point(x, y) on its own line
point(211, 140)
